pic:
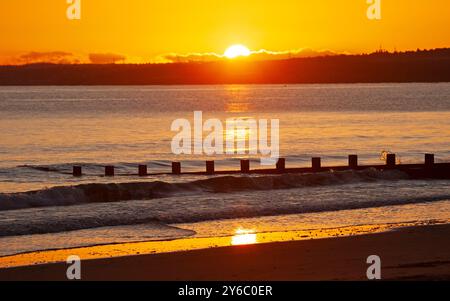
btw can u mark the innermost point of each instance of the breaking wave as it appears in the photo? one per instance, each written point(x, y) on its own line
point(116, 192)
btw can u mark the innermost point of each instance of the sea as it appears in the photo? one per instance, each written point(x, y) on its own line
point(46, 130)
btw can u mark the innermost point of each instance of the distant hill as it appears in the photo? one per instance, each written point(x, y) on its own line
point(417, 66)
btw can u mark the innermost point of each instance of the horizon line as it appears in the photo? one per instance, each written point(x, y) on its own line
point(221, 58)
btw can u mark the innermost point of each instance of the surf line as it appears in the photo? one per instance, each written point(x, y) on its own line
point(239, 136)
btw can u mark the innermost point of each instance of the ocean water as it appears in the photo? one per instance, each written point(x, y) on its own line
point(44, 131)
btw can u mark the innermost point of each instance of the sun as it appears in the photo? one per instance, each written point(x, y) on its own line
point(236, 51)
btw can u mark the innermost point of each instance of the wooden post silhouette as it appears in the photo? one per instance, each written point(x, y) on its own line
point(176, 168)
point(143, 170)
point(281, 165)
point(245, 166)
point(210, 167)
point(429, 160)
point(77, 171)
point(391, 160)
point(316, 164)
point(109, 171)
point(429, 169)
point(353, 161)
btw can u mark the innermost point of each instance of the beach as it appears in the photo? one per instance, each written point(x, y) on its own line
point(412, 253)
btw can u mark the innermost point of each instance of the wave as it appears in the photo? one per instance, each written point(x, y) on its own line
point(14, 245)
point(41, 168)
point(184, 210)
point(115, 192)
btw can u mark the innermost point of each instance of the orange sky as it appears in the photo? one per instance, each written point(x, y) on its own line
point(146, 30)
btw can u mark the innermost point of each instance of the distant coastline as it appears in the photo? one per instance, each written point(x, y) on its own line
point(413, 66)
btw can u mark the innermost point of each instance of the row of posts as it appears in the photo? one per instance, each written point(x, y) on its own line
point(391, 161)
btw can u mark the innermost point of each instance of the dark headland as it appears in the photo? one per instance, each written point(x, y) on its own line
point(412, 66)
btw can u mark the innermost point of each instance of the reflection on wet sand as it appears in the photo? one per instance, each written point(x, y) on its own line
point(239, 240)
point(244, 237)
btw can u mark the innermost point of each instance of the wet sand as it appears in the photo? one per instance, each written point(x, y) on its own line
point(416, 253)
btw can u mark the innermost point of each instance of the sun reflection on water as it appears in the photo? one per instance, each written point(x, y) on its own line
point(244, 237)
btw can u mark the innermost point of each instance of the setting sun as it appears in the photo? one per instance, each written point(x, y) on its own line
point(236, 51)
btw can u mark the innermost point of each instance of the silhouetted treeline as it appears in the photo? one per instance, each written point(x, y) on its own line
point(418, 66)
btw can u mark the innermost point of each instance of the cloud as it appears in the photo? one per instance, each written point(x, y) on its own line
point(53, 57)
point(299, 53)
point(106, 58)
point(255, 55)
point(61, 57)
point(188, 58)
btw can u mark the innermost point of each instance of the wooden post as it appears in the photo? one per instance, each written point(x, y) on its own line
point(77, 171)
point(176, 168)
point(109, 171)
point(143, 170)
point(245, 166)
point(391, 160)
point(353, 161)
point(210, 167)
point(316, 164)
point(281, 165)
point(429, 160)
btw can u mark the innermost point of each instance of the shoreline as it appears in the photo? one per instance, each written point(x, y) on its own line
point(186, 244)
point(411, 252)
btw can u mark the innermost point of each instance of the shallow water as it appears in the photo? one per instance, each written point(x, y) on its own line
point(181, 237)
